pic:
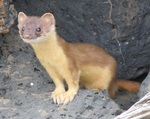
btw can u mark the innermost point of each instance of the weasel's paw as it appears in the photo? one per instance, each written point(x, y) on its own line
point(57, 96)
point(68, 96)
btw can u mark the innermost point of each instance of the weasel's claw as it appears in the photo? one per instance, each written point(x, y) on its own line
point(57, 96)
point(63, 98)
point(68, 97)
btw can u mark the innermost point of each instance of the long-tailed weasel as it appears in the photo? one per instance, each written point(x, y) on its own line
point(76, 63)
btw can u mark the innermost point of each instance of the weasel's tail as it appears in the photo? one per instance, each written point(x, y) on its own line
point(130, 86)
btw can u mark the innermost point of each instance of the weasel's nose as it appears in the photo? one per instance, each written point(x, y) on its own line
point(27, 36)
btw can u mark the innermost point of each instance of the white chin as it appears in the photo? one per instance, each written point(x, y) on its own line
point(37, 40)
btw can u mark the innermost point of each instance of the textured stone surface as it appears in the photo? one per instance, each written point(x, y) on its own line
point(120, 27)
point(25, 105)
point(8, 15)
point(145, 87)
point(140, 110)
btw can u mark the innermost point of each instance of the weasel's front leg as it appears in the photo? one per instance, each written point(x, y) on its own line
point(57, 94)
point(72, 80)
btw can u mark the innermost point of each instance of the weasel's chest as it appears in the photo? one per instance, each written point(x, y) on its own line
point(54, 58)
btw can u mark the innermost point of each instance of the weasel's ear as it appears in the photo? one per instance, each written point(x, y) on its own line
point(48, 18)
point(21, 17)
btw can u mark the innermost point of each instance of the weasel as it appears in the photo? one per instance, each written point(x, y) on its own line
point(78, 64)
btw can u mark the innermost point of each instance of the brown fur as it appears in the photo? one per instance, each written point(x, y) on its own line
point(130, 86)
point(76, 63)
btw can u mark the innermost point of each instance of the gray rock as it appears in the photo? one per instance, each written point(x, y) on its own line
point(2, 92)
point(21, 104)
point(8, 14)
point(145, 87)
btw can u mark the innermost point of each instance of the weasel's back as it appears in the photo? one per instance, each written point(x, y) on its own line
point(86, 53)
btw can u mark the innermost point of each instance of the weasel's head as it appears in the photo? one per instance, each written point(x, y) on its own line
point(33, 29)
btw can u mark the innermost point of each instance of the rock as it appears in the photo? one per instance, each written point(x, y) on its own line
point(86, 105)
point(2, 92)
point(140, 110)
point(8, 15)
point(145, 87)
point(120, 27)
point(1, 2)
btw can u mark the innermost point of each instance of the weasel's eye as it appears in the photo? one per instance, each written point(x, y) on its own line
point(22, 28)
point(38, 29)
